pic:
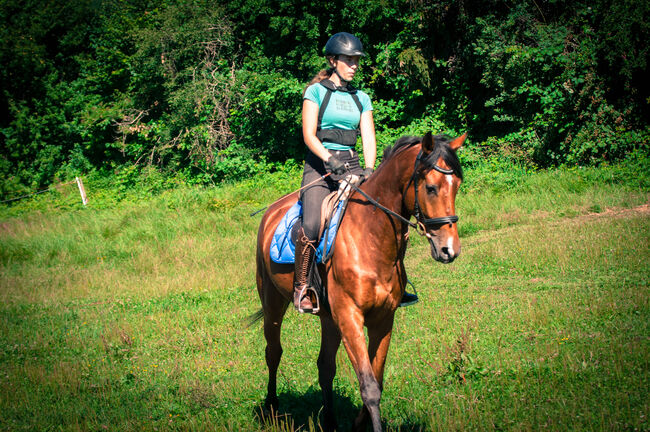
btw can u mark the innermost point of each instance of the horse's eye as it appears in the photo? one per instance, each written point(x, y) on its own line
point(432, 189)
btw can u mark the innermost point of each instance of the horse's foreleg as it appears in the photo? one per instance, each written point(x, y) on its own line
point(329, 345)
point(354, 341)
point(378, 342)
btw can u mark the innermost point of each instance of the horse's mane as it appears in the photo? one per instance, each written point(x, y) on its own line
point(441, 149)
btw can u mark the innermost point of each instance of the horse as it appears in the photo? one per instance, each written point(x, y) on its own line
point(365, 277)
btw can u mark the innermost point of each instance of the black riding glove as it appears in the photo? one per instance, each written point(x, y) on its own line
point(367, 173)
point(335, 166)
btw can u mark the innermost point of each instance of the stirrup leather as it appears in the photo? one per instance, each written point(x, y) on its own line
point(307, 290)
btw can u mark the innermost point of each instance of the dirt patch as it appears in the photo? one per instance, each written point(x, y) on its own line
point(617, 212)
point(8, 228)
point(612, 213)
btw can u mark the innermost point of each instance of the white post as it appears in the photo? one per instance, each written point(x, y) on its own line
point(82, 191)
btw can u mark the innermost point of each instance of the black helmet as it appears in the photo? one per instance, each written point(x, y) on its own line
point(344, 43)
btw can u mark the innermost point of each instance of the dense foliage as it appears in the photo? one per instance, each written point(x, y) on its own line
point(207, 91)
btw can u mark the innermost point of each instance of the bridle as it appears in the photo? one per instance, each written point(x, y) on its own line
point(417, 212)
point(422, 223)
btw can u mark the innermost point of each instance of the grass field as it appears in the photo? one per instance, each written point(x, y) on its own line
point(130, 315)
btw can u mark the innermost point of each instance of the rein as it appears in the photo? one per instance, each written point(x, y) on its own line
point(382, 208)
point(422, 222)
point(297, 190)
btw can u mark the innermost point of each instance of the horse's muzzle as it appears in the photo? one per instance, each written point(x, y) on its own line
point(445, 252)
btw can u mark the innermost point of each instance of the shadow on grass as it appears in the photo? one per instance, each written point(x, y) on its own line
point(297, 412)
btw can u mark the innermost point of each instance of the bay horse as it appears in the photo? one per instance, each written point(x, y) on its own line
point(365, 278)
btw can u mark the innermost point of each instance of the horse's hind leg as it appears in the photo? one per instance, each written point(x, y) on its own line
point(272, 324)
point(330, 342)
point(274, 307)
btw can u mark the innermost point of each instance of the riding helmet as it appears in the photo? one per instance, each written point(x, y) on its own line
point(344, 43)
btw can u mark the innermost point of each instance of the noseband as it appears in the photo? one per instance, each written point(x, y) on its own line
point(417, 212)
point(422, 222)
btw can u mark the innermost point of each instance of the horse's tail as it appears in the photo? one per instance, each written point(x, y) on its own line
point(254, 318)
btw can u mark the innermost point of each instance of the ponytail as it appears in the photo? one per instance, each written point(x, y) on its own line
point(320, 76)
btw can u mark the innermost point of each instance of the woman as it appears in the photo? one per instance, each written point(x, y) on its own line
point(334, 114)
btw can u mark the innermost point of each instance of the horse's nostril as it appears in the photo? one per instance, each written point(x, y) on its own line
point(445, 251)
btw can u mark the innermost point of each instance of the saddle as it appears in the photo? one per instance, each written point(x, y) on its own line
point(283, 244)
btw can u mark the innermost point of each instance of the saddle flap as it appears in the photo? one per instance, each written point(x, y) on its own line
point(327, 210)
point(286, 233)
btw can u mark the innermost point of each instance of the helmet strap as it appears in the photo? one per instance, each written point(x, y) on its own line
point(344, 83)
point(332, 69)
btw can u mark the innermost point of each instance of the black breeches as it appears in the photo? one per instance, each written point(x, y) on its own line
point(313, 196)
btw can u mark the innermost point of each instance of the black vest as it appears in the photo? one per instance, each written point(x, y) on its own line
point(339, 136)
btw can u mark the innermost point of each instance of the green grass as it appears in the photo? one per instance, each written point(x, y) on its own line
point(129, 315)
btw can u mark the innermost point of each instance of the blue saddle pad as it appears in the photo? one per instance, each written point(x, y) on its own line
point(283, 249)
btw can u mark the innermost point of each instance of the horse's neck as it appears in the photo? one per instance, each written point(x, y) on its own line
point(387, 186)
point(389, 183)
point(386, 190)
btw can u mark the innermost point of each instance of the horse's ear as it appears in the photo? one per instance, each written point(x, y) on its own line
point(455, 144)
point(428, 143)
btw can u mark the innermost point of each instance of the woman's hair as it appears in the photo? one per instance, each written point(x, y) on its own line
point(320, 76)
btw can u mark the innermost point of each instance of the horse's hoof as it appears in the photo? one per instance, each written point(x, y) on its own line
point(329, 425)
point(360, 423)
point(271, 405)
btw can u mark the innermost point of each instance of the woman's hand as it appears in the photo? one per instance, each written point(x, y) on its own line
point(335, 166)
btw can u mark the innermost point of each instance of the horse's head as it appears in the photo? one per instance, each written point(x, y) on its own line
point(435, 182)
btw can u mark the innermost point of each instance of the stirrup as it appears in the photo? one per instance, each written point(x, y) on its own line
point(409, 299)
point(315, 308)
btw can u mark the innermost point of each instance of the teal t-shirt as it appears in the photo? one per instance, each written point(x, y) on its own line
point(341, 112)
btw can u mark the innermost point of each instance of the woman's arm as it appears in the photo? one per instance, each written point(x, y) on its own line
point(309, 124)
point(367, 126)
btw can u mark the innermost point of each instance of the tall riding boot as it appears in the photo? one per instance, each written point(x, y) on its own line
point(302, 291)
point(409, 299)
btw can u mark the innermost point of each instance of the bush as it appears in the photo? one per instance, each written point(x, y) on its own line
point(186, 85)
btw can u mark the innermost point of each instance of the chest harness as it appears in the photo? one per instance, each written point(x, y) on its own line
point(340, 136)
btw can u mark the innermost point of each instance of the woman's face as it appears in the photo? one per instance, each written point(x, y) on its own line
point(346, 66)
